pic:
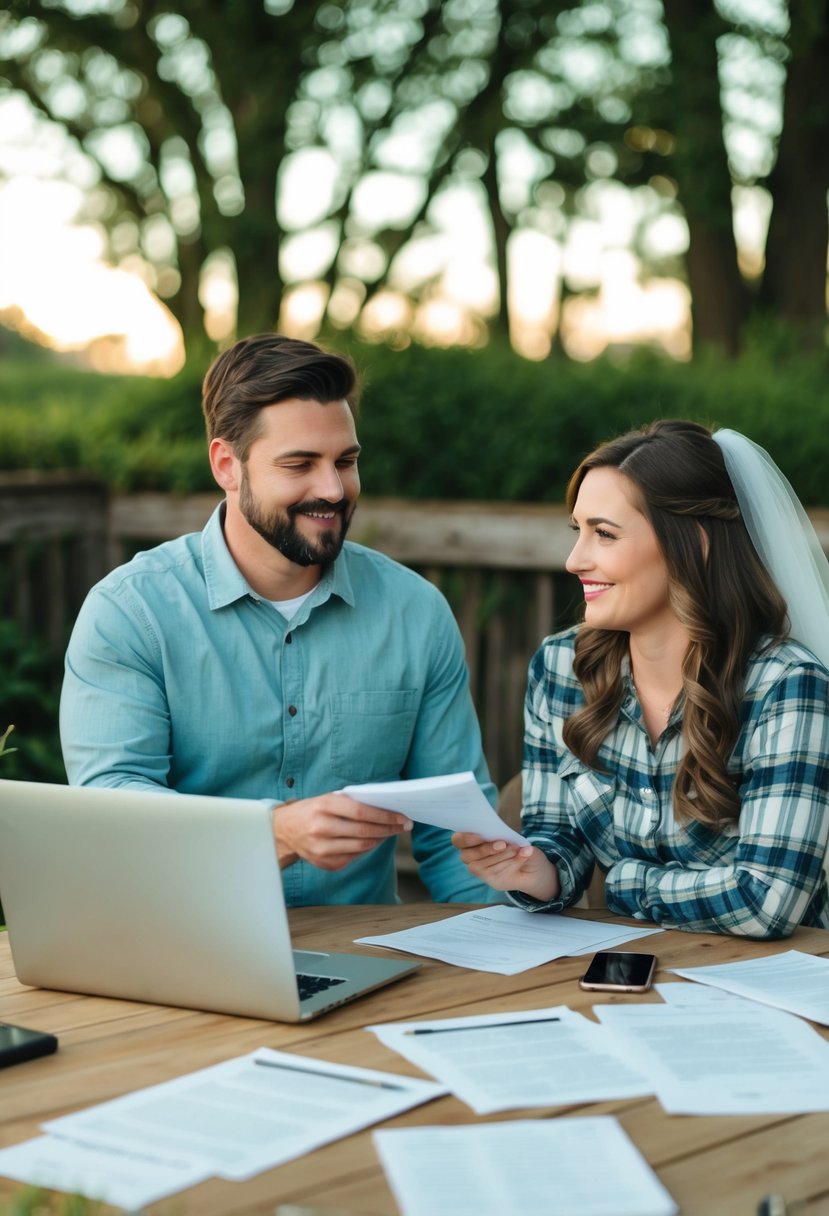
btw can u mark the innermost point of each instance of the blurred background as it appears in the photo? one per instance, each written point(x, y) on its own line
point(531, 224)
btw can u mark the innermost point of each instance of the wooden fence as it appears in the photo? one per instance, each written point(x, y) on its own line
point(501, 566)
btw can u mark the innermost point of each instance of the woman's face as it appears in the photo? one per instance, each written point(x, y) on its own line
point(617, 559)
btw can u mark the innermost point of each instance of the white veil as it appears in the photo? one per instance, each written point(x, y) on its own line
point(783, 536)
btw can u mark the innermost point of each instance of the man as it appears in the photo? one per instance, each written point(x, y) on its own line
point(265, 657)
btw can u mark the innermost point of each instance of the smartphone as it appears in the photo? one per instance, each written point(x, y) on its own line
point(18, 1044)
point(619, 971)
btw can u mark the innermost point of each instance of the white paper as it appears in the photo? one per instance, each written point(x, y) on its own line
point(725, 1060)
point(506, 940)
point(126, 1179)
point(247, 1114)
point(696, 995)
point(455, 802)
point(794, 981)
point(557, 1167)
point(509, 1061)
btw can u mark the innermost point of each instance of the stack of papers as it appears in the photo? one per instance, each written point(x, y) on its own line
point(507, 940)
point(510, 1061)
point(558, 1166)
point(233, 1120)
point(724, 1058)
point(455, 802)
point(796, 982)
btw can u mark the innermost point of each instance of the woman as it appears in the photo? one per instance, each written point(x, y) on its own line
point(680, 737)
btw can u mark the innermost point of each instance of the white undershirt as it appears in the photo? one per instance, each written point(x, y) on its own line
point(289, 608)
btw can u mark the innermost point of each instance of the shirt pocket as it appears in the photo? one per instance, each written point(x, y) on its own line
point(591, 798)
point(371, 732)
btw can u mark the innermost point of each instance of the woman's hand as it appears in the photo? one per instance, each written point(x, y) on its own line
point(508, 867)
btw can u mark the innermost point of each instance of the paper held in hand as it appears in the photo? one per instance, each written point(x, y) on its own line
point(455, 802)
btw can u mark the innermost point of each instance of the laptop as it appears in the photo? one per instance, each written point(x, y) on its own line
point(173, 899)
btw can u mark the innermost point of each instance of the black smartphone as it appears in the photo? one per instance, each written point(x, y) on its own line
point(18, 1044)
point(619, 971)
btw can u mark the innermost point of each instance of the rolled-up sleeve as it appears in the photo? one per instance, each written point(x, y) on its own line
point(545, 820)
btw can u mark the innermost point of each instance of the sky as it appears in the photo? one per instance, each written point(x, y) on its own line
point(54, 276)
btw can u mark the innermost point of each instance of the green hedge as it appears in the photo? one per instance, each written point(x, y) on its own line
point(434, 423)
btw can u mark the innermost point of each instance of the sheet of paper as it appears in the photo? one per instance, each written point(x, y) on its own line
point(552, 1166)
point(455, 802)
point(247, 1114)
point(508, 1061)
point(724, 1060)
point(696, 995)
point(794, 981)
point(125, 1179)
point(506, 940)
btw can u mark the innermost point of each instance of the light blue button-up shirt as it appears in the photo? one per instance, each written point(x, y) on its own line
point(178, 676)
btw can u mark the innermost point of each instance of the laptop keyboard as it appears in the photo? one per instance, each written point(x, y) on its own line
point(310, 985)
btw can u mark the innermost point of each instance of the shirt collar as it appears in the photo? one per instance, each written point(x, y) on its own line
point(225, 582)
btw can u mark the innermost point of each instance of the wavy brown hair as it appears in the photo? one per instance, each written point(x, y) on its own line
point(719, 590)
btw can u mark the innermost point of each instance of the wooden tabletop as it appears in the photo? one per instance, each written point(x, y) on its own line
point(719, 1166)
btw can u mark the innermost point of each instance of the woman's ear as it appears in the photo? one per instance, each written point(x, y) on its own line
point(225, 466)
point(705, 541)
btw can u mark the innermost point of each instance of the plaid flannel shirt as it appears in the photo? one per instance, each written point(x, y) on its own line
point(760, 876)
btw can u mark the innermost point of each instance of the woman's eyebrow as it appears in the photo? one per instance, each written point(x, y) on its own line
point(597, 519)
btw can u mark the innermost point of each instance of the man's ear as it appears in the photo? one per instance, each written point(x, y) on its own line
point(225, 467)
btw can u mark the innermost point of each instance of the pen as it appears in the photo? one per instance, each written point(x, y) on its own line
point(483, 1026)
point(772, 1205)
point(333, 1076)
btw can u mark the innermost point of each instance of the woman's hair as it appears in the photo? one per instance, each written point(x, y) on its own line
point(261, 370)
point(719, 590)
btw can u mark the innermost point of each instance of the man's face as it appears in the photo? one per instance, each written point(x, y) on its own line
point(299, 485)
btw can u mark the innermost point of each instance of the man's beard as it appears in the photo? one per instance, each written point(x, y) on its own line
point(279, 528)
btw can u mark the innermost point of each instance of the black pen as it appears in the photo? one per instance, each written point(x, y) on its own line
point(333, 1076)
point(480, 1026)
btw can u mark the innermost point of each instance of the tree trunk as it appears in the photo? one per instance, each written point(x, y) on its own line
point(719, 298)
point(794, 283)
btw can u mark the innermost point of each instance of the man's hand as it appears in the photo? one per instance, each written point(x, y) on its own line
point(508, 867)
point(332, 830)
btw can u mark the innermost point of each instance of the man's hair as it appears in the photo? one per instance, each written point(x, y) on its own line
point(718, 588)
point(263, 370)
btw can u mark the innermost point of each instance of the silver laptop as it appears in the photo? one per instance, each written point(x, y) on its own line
point(174, 899)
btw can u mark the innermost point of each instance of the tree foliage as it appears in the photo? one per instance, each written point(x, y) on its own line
point(200, 122)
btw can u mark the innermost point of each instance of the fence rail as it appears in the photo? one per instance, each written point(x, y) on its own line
point(501, 567)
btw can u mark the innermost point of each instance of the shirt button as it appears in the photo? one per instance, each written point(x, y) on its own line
point(292, 710)
point(647, 792)
point(290, 783)
point(288, 639)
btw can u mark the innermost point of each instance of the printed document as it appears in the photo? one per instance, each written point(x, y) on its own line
point(696, 995)
point(727, 1059)
point(506, 1061)
point(794, 981)
point(455, 802)
point(128, 1180)
point(248, 1114)
point(557, 1167)
point(507, 940)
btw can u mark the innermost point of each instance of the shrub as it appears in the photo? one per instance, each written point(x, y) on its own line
point(483, 424)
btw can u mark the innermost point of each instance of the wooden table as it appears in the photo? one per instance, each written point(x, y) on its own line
point(719, 1166)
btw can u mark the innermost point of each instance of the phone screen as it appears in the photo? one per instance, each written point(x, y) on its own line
point(619, 969)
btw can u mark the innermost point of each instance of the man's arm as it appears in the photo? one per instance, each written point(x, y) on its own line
point(447, 739)
point(114, 718)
